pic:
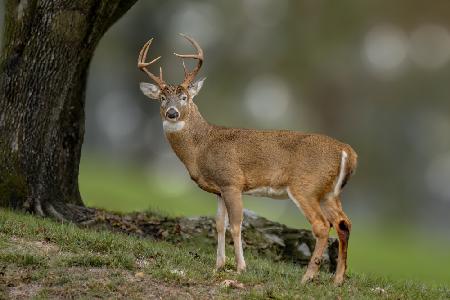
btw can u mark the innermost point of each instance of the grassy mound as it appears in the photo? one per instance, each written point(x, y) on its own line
point(44, 259)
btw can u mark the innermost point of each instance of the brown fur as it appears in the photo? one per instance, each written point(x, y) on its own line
point(217, 157)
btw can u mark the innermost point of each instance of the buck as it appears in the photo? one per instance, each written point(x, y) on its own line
point(309, 169)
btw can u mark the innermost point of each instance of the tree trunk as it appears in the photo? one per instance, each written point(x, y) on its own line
point(47, 48)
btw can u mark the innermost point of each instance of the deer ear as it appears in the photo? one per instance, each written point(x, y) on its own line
point(150, 90)
point(195, 87)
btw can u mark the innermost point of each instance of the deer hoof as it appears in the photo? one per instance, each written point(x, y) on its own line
point(241, 269)
point(338, 280)
point(307, 278)
point(220, 264)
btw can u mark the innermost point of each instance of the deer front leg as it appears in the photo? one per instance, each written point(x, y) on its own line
point(221, 226)
point(233, 202)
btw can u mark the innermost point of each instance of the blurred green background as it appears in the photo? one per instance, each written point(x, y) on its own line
point(374, 74)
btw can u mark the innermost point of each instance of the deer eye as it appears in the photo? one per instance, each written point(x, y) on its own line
point(183, 97)
point(163, 100)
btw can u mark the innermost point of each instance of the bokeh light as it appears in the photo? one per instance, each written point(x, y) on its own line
point(265, 13)
point(430, 46)
point(438, 177)
point(118, 118)
point(198, 19)
point(169, 175)
point(385, 49)
point(268, 100)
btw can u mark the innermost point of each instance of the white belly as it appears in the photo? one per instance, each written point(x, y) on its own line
point(267, 191)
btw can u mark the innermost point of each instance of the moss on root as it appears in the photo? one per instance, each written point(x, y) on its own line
point(13, 190)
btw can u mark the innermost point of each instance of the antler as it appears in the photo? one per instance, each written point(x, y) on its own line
point(190, 76)
point(143, 65)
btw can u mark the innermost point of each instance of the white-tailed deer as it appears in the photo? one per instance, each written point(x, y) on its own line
point(309, 169)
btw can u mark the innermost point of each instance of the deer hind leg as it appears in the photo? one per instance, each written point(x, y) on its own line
point(320, 227)
point(221, 226)
point(233, 201)
point(332, 209)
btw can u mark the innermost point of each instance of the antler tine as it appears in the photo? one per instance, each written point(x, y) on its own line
point(189, 76)
point(142, 65)
point(184, 66)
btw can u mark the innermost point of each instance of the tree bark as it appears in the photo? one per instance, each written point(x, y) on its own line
point(47, 48)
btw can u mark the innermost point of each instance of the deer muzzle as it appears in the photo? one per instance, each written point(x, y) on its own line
point(172, 113)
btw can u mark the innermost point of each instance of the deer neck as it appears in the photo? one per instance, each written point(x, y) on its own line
point(186, 136)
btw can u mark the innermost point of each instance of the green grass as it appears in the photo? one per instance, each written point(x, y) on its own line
point(396, 250)
point(44, 259)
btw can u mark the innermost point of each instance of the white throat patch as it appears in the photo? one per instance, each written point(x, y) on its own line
point(173, 126)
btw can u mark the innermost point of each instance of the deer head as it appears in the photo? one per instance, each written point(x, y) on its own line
point(175, 100)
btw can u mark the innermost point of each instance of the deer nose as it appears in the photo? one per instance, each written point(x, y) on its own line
point(172, 113)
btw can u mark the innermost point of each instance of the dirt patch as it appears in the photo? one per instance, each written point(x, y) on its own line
point(40, 247)
point(18, 283)
point(24, 291)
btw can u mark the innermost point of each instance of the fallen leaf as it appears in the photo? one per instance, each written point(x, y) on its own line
point(139, 275)
point(178, 272)
point(232, 283)
point(378, 290)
